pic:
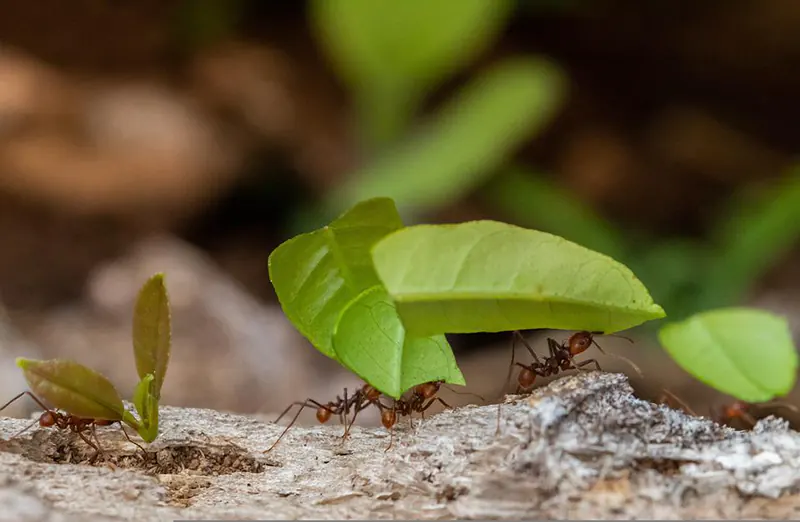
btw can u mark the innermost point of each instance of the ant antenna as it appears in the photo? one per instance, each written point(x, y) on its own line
point(679, 401)
point(20, 432)
point(781, 404)
point(631, 363)
point(464, 393)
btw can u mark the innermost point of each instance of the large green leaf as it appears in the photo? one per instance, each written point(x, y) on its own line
point(470, 137)
point(152, 333)
point(72, 387)
point(486, 276)
point(317, 274)
point(371, 341)
point(743, 352)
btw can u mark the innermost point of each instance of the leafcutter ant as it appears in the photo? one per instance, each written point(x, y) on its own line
point(342, 406)
point(73, 423)
point(560, 359)
point(422, 397)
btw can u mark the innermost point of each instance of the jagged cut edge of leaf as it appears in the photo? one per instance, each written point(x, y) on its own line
point(152, 342)
point(53, 392)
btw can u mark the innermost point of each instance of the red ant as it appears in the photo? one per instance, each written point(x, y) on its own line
point(731, 412)
point(342, 407)
point(73, 423)
point(561, 358)
point(423, 396)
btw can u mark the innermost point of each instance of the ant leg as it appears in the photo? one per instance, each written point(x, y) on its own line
point(749, 419)
point(131, 440)
point(528, 346)
point(580, 365)
point(668, 394)
point(444, 403)
point(29, 394)
point(87, 440)
point(630, 363)
point(553, 347)
point(303, 405)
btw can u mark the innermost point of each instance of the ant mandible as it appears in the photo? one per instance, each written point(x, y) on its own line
point(357, 402)
point(67, 421)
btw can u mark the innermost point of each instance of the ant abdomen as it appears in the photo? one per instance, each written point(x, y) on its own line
point(388, 418)
point(324, 414)
point(526, 378)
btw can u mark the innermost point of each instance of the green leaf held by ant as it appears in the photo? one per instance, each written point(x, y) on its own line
point(72, 387)
point(152, 332)
point(743, 352)
point(315, 275)
point(487, 276)
point(370, 340)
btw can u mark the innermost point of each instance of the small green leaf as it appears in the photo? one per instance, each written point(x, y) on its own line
point(316, 274)
point(486, 276)
point(152, 331)
point(743, 352)
point(147, 406)
point(371, 341)
point(72, 387)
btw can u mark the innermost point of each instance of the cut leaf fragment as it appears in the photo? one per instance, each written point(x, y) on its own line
point(744, 352)
point(72, 387)
point(152, 332)
point(487, 276)
point(370, 340)
point(315, 275)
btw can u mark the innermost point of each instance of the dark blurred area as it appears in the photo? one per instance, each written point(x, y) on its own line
point(193, 137)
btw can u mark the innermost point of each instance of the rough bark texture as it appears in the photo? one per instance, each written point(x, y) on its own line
point(582, 447)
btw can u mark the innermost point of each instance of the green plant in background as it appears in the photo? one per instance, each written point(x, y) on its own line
point(743, 352)
point(391, 55)
point(379, 297)
point(85, 393)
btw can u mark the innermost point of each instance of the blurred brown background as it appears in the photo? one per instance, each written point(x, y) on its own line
point(194, 137)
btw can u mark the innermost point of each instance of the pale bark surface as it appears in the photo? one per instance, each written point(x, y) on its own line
point(582, 447)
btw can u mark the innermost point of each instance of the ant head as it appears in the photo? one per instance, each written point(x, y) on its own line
point(388, 418)
point(580, 342)
point(47, 419)
point(370, 392)
point(324, 414)
point(736, 409)
point(526, 378)
point(428, 389)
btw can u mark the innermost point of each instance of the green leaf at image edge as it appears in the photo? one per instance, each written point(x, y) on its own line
point(744, 352)
point(315, 275)
point(487, 276)
point(72, 387)
point(370, 340)
point(152, 334)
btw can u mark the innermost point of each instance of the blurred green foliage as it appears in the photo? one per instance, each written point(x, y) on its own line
point(391, 56)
